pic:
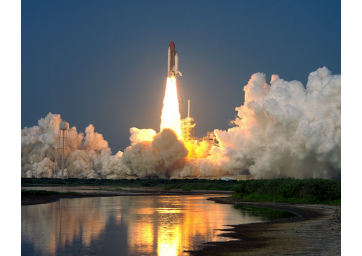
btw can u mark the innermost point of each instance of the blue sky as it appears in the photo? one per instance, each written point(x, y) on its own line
point(105, 62)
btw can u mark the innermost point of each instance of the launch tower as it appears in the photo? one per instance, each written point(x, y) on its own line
point(188, 127)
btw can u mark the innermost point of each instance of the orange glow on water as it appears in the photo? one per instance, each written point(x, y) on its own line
point(168, 237)
point(170, 117)
point(162, 226)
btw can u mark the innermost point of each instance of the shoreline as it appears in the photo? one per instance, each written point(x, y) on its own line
point(36, 199)
point(317, 231)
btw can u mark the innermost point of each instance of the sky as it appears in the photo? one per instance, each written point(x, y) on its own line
point(105, 62)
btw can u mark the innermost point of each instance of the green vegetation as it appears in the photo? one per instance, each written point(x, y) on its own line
point(188, 185)
point(265, 214)
point(184, 184)
point(288, 190)
point(315, 191)
point(46, 193)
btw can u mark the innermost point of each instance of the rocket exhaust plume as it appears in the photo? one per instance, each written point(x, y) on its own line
point(283, 129)
point(171, 117)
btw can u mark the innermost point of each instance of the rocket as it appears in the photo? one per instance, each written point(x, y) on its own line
point(172, 64)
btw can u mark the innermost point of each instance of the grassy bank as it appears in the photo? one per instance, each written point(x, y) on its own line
point(319, 191)
point(184, 184)
point(266, 214)
point(307, 191)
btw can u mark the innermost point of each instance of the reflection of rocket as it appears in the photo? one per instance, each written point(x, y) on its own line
point(172, 65)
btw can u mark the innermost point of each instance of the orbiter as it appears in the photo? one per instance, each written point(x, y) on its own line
point(172, 66)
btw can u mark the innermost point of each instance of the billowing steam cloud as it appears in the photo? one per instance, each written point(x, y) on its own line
point(87, 156)
point(282, 130)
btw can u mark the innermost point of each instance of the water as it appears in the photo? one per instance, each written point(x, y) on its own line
point(126, 225)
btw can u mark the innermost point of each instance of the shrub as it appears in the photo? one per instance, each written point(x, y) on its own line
point(306, 190)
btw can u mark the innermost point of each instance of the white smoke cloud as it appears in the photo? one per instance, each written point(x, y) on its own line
point(44, 168)
point(93, 140)
point(84, 155)
point(164, 156)
point(138, 135)
point(282, 130)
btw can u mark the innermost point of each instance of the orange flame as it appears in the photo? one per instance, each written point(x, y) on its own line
point(170, 117)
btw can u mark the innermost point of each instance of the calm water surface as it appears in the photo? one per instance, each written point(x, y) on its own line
point(126, 225)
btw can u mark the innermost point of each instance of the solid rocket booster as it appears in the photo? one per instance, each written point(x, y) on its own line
point(172, 64)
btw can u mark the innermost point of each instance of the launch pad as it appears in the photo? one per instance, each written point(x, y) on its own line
point(188, 131)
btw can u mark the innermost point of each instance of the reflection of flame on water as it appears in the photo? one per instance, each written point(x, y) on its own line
point(168, 240)
point(169, 210)
point(169, 235)
point(141, 235)
point(152, 225)
point(170, 117)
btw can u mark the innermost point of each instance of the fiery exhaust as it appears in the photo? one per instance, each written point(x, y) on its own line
point(170, 117)
point(283, 129)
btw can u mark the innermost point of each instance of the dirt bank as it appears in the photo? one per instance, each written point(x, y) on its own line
point(316, 232)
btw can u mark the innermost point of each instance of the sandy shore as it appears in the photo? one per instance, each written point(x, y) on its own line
point(316, 232)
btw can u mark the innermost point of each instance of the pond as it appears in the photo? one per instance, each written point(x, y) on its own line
point(127, 225)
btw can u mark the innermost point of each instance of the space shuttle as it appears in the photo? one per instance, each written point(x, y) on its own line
point(172, 66)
